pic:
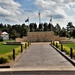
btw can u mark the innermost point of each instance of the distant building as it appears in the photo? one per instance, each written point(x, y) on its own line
point(4, 35)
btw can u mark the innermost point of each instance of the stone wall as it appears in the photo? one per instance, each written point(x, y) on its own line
point(24, 39)
point(40, 37)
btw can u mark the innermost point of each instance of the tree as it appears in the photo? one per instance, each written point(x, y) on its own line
point(14, 34)
point(31, 27)
point(57, 29)
point(1, 25)
point(63, 32)
point(70, 28)
point(49, 26)
point(45, 26)
point(41, 27)
point(24, 30)
point(1, 38)
point(73, 33)
point(35, 27)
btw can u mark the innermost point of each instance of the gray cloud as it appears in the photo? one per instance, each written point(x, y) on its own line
point(58, 16)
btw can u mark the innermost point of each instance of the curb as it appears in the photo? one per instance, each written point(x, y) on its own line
point(64, 55)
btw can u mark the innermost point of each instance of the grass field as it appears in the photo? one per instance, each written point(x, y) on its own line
point(6, 48)
point(70, 45)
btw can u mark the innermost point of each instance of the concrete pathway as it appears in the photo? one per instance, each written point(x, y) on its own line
point(40, 56)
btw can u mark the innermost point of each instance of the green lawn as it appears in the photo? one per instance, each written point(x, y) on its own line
point(6, 48)
point(70, 45)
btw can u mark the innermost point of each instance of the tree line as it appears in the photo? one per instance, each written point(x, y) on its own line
point(14, 30)
point(18, 30)
point(68, 31)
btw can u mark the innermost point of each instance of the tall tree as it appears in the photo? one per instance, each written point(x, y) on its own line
point(70, 28)
point(31, 27)
point(73, 33)
point(24, 30)
point(57, 29)
point(45, 26)
point(63, 32)
point(35, 27)
point(49, 26)
point(41, 27)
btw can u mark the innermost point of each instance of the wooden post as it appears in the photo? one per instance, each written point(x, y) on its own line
point(71, 53)
point(25, 45)
point(56, 44)
point(13, 54)
point(28, 43)
point(21, 48)
point(61, 47)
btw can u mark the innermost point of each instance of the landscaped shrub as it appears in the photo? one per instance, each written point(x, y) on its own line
point(18, 50)
point(74, 53)
point(65, 49)
point(1, 38)
point(3, 60)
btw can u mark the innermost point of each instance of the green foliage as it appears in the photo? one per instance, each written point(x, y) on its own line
point(45, 26)
point(74, 53)
point(15, 30)
point(3, 60)
point(1, 39)
point(73, 33)
point(66, 48)
point(41, 27)
point(63, 32)
point(57, 29)
point(8, 56)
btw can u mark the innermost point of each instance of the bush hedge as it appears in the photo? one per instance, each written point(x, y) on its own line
point(6, 58)
point(65, 49)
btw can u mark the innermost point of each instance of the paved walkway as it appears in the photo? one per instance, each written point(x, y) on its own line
point(42, 55)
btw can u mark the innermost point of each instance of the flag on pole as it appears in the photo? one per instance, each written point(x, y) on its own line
point(27, 20)
point(51, 19)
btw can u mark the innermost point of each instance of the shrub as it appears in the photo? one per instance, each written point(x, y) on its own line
point(26, 45)
point(18, 50)
point(9, 56)
point(65, 49)
point(74, 53)
point(3, 60)
point(1, 38)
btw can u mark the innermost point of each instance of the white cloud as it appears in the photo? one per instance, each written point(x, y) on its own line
point(57, 8)
point(4, 12)
point(9, 3)
point(10, 10)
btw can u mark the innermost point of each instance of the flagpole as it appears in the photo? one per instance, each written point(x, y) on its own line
point(28, 24)
point(28, 21)
point(39, 17)
point(51, 22)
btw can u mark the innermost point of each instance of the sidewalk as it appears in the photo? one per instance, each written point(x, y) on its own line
point(40, 56)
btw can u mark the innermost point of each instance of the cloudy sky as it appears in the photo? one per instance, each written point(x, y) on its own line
point(17, 11)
